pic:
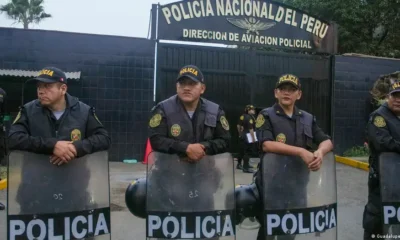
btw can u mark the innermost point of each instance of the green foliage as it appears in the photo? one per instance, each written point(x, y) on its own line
point(365, 26)
point(357, 151)
point(25, 11)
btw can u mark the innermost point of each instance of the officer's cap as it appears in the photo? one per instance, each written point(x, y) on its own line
point(50, 75)
point(288, 78)
point(249, 107)
point(191, 72)
point(394, 87)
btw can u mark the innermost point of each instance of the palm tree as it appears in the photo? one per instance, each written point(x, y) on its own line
point(25, 11)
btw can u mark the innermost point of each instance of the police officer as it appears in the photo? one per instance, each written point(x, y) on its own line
point(56, 124)
point(288, 130)
point(383, 135)
point(246, 126)
point(191, 127)
point(188, 124)
point(3, 146)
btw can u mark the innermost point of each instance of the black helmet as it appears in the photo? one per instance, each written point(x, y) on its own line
point(247, 202)
point(135, 197)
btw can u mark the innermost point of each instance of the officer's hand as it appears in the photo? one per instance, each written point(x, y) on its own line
point(63, 150)
point(316, 164)
point(195, 151)
point(307, 156)
point(56, 160)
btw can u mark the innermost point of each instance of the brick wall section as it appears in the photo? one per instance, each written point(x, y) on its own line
point(116, 78)
point(354, 78)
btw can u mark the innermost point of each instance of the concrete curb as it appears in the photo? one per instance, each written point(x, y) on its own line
point(3, 184)
point(353, 163)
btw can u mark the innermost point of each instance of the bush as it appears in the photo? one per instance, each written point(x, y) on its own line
point(357, 151)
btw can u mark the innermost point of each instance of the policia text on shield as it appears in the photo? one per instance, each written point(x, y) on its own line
point(287, 135)
point(58, 166)
point(381, 214)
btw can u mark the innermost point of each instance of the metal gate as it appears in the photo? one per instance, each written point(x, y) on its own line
point(237, 77)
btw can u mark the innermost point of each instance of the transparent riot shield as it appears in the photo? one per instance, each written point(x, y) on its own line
point(46, 201)
point(389, 169)
point(299, 203)
point(190, 200)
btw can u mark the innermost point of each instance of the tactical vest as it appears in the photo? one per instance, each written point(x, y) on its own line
point(282, 130)
point(392, 123)
point(181, 127)
point(73, 122)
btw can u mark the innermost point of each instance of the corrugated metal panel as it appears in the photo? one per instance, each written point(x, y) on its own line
point(24, 73)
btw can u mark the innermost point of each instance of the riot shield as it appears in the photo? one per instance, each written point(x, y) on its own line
point(187, 200)
point(46, 201)
point(299, 203)
point(389, 169)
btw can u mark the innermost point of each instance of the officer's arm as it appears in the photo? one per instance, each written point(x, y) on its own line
point(158, 135)
point(321, 139)
point(248, 123)
point(267, 141)
point(220, 142)
point(240, 125)
point(97, 138)
point(379, 136)
point(19, 137)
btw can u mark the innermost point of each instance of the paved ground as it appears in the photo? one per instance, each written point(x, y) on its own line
point(351, 185)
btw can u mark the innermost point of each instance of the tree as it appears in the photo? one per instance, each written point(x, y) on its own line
point(365, 26)
point(25, 11)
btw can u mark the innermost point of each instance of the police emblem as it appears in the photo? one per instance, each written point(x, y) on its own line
point(379, 121)
point(260, 120)
point(175, 130)
point(155, 120)
point(224, 123)
point(251, 121)
point(241, 117)
point(75, 135)
point(281, 138)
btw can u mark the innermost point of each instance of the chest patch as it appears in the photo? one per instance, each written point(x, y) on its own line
point(75, 135)
point(281, 138)
point(175, 130)
point(379, 121)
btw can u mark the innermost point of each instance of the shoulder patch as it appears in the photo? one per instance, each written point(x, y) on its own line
point(224, 123)
point(17, 117)
point(241, 117)
point(379, 121)
point(155, 120)
point(260, 120)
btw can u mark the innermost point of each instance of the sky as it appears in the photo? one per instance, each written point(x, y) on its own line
point(116, 17)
